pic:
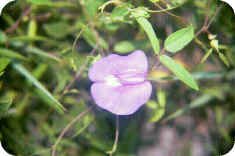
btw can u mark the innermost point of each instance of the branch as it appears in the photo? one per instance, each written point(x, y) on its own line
point(66, 129)
point(111, 152)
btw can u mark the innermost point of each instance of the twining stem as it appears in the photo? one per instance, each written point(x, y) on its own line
point(207, 22)
point(171, 14)
point(115, 144)
point(66, 129)
point(78, 74)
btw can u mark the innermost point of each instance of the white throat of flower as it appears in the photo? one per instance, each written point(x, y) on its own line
point(127, 78)
point(112, 81)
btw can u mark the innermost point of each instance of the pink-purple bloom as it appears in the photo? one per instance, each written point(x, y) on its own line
point(120, 82)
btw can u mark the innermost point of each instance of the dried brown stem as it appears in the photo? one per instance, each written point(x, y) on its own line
point(16, 24)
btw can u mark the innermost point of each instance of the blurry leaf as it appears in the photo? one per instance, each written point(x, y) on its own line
point(3, 37)
point(215, 44)
point(42, 53)
point(179, 71)
point(3, 63)
point(158, 114)
point(198, 102)
point(40, 2)
point(179, 39)
point(40, 70)
point(161, 96)
point(119, 13)
point(44, 39)
point(157, 111)
point(11, 54)
point(5, 103)
point(154, 1)
point(58, 29)
point(53, 102)
point(91, 7)
point(124, 47)
point(206, 55)
point(152, 104)
point(147, 27)
point(32, 28)
point(92, 37)
point(83, 124)
point(140, 12)
point(158, 108)
point(224, 59)
point(208, 75)
point(51, 3)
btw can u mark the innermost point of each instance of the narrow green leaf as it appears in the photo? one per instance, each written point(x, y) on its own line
point(157, 111)
point(206, 55)
point(224, 59)
point(49, 97)
point(11, 54)
point(42, 53)
point(5, 103)
point(3, 63)
point(50, 3)
point(3, 37)
point(32, 28)
point(179, 71)
point(40, 2)
point(198, 102)
point(179, 39)
point(154, 1)
point(147, 27)
point(161, 96)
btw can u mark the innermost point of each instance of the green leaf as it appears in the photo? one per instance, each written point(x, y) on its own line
point(158, 108)
point(224, 59)
point(50, 3)
point(3, 37)
point(11, 54)
point(3, 63)
point(179, 71)
point(147, 27)
point(32, 28)
point(215, 44)
point(91, 7)
point(92, 37)
point(157, 111)
point(42, 53)
point(124, 47)
point(206, 55)
point(40, 2)
point(179, 39)
point(154, 1)
point(140, 12)
point(49, 97)
point(5, 103)
point(161, 96)
point(57, 29)
point(119, 13)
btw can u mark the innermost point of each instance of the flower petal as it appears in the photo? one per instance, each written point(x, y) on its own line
point(115, 64)
point(122, 100)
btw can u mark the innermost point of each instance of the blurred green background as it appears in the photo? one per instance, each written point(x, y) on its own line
point(46, 48)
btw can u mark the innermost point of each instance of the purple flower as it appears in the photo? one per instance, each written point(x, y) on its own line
point(120, 85)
